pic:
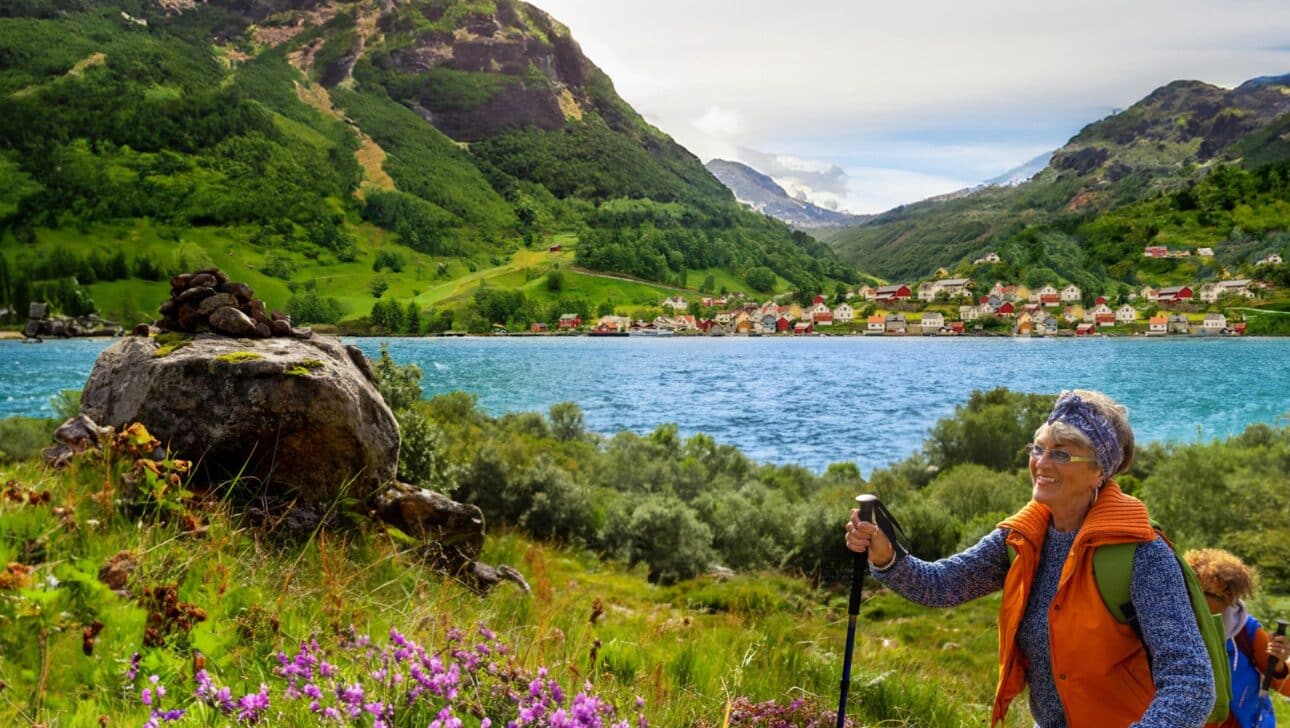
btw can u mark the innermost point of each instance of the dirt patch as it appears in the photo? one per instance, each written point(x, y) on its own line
point(1082, 199)
point(370, 155)
point(569, 105)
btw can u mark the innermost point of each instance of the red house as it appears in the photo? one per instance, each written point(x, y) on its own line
point(555, 248)
point(802, 328)
point(1156, 251)
point(1007, 309)
point(1099, 300)
point(957, 327)
point(569, 322)
point(891, 293)
point(1174, 294)
point(1084, 330)
point(817, 300)
point(539, 328)
point(782, 325)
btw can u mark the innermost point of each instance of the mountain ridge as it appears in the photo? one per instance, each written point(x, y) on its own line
point(762, 193)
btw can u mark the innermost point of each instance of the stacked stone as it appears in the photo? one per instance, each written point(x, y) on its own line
point(209, 301)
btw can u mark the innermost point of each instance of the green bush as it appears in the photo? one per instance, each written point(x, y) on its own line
point(22, 438)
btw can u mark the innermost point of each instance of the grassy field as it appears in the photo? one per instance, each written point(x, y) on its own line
point(421, 279)
point(687, 650)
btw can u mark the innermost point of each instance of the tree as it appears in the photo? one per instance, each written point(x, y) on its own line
point(709, 283)
point(378, 286)
point(555, 280)
point(412, 319)
point(761, 279)
point(567, 422)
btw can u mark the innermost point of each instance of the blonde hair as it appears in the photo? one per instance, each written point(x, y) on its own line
point(1114, 412)
point(1223, 574)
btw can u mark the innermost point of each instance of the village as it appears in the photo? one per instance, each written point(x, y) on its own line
point(952, 307)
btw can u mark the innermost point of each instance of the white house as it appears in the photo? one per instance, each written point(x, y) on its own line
point(1272, 259)
point(1150, 293)
point(1205, 252)
point(1158, 326)
point(1048, 296)
point(1046, 326)
point(1126, 314)
point(877, 324)
point(956, 287)
point(1209, 292)
point(1214, 323)
point(969, 313)
point(1237, 287)
point(844, 313)
point(676, 303)
point(867, 292)
point(1071, 294)
point(990, 257)
point(927, 291)
point(1099, 310)
point(933, 322)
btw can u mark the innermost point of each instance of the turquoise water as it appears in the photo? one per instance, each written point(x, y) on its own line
point(805, 401)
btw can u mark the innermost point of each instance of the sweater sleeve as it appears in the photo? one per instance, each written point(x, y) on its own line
point(1180, 665)
point(953, 580)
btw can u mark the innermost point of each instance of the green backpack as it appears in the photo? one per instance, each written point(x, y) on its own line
point(1112, 570)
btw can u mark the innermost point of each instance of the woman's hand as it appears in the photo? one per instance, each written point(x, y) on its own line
point(864, 536)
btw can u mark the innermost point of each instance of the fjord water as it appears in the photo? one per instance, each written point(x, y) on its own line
point(804, 401)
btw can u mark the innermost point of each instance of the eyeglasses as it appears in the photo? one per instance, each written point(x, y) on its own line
point(1061, 457)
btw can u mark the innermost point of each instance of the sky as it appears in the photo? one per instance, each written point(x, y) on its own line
point(862, 106)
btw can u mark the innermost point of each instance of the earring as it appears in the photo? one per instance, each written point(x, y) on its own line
point(1095, 492)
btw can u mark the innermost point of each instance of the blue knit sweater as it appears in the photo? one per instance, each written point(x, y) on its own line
point(1179, 663)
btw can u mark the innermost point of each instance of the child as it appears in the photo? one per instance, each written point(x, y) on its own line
point(1227, 581)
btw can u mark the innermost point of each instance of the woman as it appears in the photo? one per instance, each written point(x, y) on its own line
point(1227, 582)
point(1083, 668)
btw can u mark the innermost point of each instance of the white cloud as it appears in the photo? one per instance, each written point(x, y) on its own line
point(720, 123)
point(816, 79)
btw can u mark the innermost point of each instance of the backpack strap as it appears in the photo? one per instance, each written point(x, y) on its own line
point(1113, 572)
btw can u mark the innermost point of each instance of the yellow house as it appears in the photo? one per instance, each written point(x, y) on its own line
point(794, 312)
point(1022, 293)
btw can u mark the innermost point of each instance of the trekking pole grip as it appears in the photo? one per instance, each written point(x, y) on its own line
point(1272, 660)
point(860, 561)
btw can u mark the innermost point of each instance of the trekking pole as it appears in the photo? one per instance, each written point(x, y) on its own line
point(1266, 686)
point(1272, 663)
point(871, 509)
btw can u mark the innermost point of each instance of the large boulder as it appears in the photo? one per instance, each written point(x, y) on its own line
point(300, 417)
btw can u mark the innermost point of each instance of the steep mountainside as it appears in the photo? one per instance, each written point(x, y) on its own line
point(765, 195)
point(311, 133)
point(1164, 142)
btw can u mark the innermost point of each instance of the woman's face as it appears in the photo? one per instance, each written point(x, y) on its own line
point(1064, 487)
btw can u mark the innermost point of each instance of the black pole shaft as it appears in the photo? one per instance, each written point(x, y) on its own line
point(1272, 663)
point(860, 567)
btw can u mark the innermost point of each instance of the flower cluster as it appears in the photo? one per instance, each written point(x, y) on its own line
point(152, 697)
point(475, 679)
point(797, 714)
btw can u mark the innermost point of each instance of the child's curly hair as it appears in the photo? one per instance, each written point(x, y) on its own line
point(1223, 574)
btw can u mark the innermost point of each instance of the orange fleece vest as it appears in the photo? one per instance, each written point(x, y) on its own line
point(1099, 665)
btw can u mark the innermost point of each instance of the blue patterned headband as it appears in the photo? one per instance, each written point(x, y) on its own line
point(1081, 415)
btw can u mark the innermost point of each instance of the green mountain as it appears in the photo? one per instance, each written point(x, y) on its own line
point(1053, 227)
point(308, 143)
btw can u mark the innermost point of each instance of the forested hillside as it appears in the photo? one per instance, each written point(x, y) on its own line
point(342, 147)
point(1191, 165)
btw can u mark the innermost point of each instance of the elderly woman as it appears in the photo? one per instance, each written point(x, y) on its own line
point(1228, 582)
point(1056, 636)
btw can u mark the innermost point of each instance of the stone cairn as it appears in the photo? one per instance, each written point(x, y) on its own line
point(209, 301)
